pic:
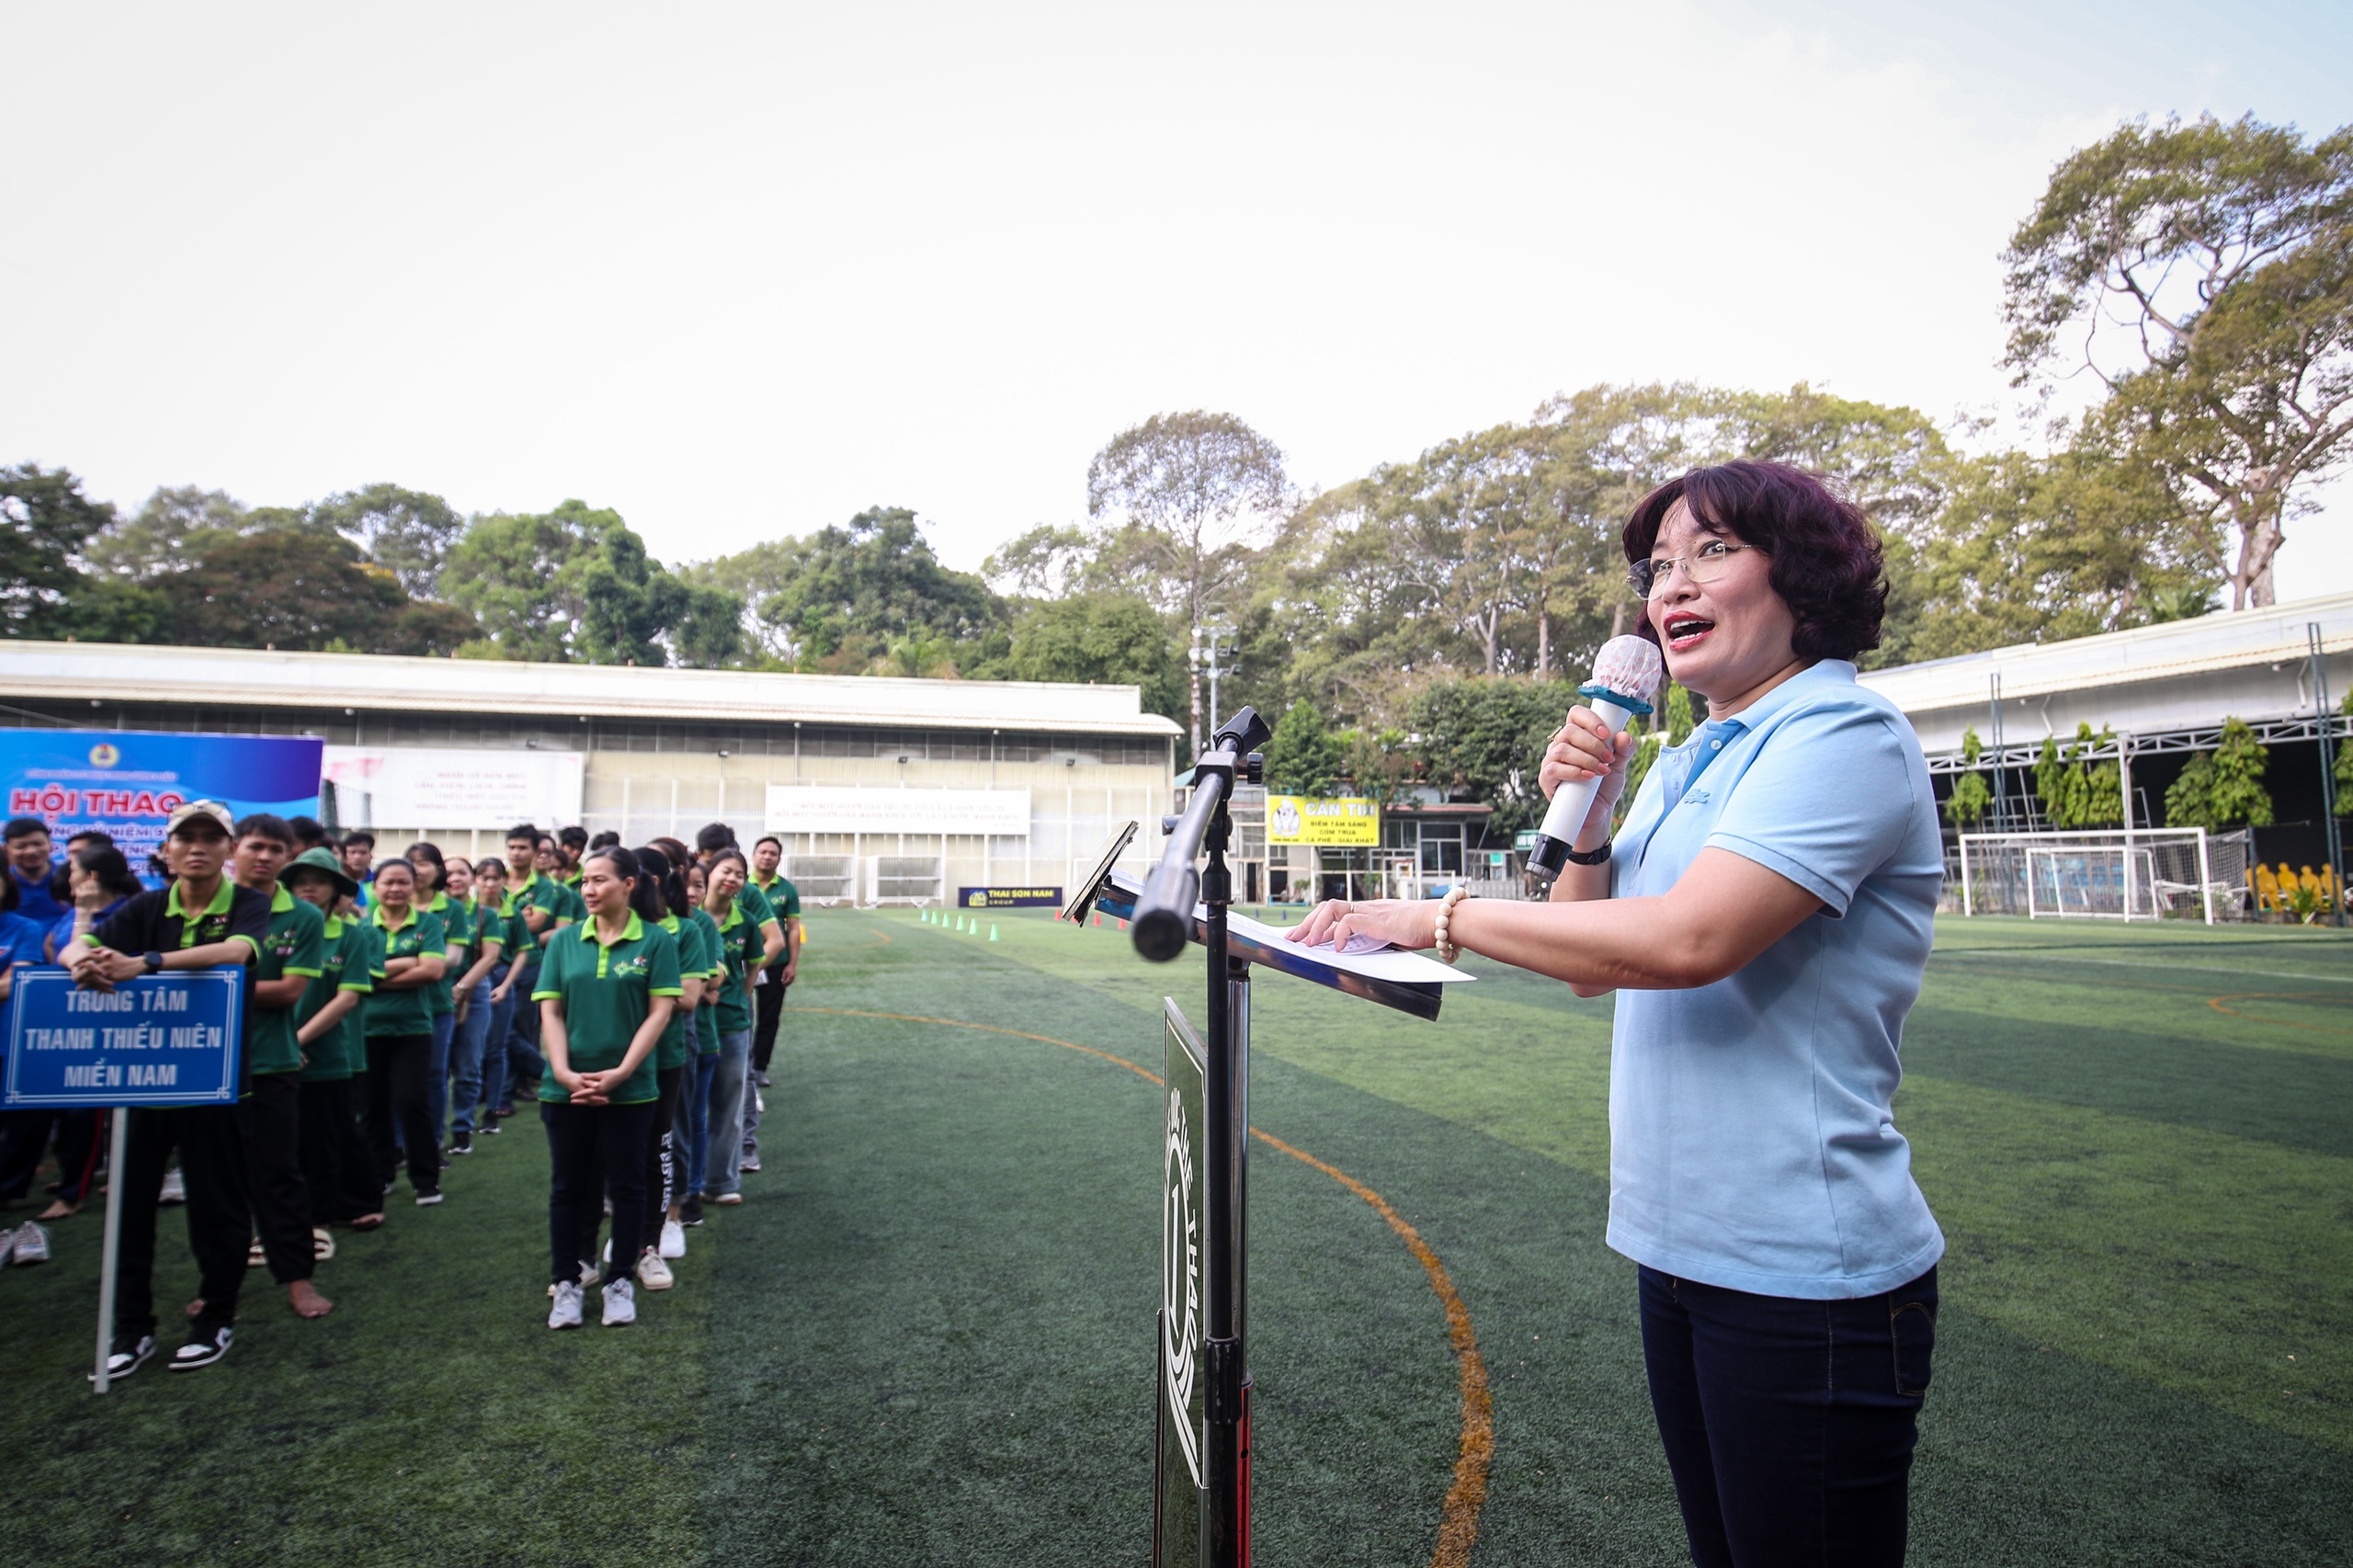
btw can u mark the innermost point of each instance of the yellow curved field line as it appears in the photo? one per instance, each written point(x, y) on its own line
point(2217, 1003)
point(1458, 1516)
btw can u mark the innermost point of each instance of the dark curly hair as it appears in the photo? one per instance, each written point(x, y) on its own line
point(1826, 557)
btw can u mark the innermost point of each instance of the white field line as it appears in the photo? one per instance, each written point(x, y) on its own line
point(2141, 963)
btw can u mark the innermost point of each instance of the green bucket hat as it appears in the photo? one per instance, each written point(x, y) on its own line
point(321, 860)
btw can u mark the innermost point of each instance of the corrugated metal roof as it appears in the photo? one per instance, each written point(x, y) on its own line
point(2208, 643)
point(240, 677)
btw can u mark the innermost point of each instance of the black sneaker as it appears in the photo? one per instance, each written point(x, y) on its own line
point(691, 1211)
point(461, 1143)
point(760, 1080)
point(204, 1346)
point(130, 1352)
point(490, 1127)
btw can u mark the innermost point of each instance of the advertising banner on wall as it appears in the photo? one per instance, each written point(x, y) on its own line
point(1301, 819)
point(422, 786)
point(838, 808)
point(1008, 898)
point(125, 782)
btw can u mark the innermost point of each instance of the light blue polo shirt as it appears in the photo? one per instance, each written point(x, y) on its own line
point(1750, 1139)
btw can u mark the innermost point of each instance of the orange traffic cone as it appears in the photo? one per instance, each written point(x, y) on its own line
point(1124, 925)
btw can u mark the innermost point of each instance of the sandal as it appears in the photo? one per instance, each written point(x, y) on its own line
point(255, 1257)
point(368, 1222)
point(322, 1243)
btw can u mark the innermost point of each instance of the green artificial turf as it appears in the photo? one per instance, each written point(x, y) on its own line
point(927, 1337)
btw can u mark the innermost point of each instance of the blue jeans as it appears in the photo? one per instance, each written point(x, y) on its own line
point(731, 1096)
point(1788, 1425)
point(693, 1135)
point(467, 1052)
point(525, 1065)
point(437, 1083)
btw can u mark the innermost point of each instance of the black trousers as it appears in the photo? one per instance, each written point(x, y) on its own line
point(25, 1137)
point(767, 1012)
point(664, 1176)
point(220, 1226)
point(269, 1122)
point(590, 1148)
point(339, 1168)
point(400, 1072)
point(1788, 1425)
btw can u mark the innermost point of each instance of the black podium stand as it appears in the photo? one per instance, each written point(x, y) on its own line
point(1201, 1450)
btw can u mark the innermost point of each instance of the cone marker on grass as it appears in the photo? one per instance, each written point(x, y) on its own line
point(992, 930)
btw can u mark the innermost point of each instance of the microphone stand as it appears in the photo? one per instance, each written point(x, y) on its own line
point(1163, 924)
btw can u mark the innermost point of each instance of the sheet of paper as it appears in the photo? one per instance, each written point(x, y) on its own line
point(1380, 964)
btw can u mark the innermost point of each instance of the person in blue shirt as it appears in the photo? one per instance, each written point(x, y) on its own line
point(32, 863)
point(1764, 916)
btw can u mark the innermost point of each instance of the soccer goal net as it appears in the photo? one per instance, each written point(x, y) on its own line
point(2147, 874)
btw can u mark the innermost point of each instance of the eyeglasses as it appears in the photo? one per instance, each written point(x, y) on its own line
point(1649, 578)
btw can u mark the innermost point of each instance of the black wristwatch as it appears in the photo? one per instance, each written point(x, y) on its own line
point(1590, 858)
point(154, 962)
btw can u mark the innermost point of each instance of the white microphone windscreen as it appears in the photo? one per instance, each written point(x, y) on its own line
point(1630, 668)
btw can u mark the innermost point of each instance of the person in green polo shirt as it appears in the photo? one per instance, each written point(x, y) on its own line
point(270, 1114)
point(695, 1104)
point(433, 897)
point(337, 1169)
point(777, 975)
point(674, 1069)
point(411, 953)
point(606, 991)
point(731, 1091)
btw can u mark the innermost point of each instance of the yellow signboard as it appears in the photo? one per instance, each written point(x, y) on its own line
point(1299, 819)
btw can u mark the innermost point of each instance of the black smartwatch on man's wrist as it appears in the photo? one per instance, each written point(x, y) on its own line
point(155, 963)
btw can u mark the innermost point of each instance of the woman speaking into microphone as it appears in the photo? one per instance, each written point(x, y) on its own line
point(1765, 917)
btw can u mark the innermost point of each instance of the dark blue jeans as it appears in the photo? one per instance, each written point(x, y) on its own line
point(1789, 1423)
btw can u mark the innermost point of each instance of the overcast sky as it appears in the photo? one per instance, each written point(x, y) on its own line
point(740, 271)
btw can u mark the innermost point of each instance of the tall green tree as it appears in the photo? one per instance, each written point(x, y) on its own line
point(2223, 788)
point(407, 532)
point(1104, 638)
point(838, 599)
point(2204, 273)
point(1186, 494)
point(46, 524)
point(302, 588)
point(576, 586)
point(1484, 740)
point(166, 531)
point(1303, 756)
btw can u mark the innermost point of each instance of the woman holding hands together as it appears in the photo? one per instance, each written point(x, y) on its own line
point(607, 988)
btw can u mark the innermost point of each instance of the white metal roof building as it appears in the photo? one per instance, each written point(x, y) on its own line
point(2168, 687)
point(656, 751)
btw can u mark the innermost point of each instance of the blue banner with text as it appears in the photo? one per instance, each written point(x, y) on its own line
point(161, 1040)
point(125, 783)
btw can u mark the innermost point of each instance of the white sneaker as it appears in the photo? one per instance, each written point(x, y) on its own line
point(674, 1239)
point(620, 1303)
point(652, 1273)
point(32, 1243)
point(174, 1188)
point(565, 1314)
point(587, 1277)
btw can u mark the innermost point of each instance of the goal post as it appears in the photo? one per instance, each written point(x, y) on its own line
point(2140, 873)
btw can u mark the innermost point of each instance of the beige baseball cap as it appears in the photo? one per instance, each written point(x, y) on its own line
point(188, 812)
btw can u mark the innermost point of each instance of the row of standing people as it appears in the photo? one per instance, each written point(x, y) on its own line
point(380, 1004)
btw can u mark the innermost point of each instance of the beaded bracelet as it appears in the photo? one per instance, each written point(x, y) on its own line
point(1445, 949)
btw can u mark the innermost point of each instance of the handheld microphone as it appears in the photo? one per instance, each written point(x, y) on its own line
point(1625, 676)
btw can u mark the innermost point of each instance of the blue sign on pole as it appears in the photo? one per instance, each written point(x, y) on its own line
point(161, 1040)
